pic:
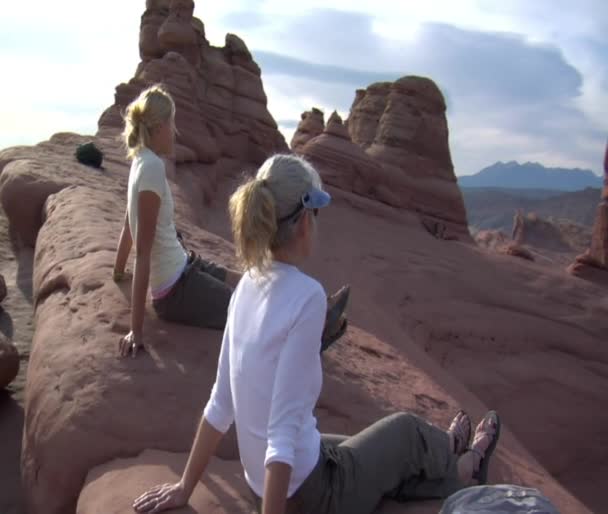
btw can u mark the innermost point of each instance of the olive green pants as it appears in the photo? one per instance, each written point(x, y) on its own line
point(200, 297)
point(400, 457)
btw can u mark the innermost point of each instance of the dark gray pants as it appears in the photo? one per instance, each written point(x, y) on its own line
point(200, 297)
point(401, 457)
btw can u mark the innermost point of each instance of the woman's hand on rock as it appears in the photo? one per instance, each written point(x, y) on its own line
point(120, 276)
point(160, 498)
point(130, 344)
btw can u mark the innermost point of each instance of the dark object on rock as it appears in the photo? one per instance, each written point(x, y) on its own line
point(2, 288)
point(89, 154)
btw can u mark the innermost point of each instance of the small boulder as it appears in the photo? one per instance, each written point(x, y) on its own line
point(89, 154)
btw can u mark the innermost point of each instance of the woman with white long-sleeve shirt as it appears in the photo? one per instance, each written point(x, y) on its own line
point(269, 379)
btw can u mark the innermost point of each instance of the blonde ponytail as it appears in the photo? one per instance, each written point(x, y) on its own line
point(256, 206)
point(254, 223)
point(151, 108)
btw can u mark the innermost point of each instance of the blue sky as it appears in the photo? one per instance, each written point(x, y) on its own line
point(524, 80)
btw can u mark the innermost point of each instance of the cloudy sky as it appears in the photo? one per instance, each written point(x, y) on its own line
point(524, 80)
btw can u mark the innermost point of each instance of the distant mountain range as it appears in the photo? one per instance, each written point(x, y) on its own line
point(531, 175)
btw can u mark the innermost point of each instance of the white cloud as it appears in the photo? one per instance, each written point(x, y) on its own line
point(65, 57)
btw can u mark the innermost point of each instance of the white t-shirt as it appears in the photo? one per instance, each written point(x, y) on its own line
point(168, 258)
point(269, 374)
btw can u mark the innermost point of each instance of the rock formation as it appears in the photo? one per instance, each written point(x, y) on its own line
point(517, 233)
point(340, 162)
point(553, 242)
point(220, 100)
point(593, 264)
point(534, 231)
point(311, 125)
point(2, 288)
point(402, 128)
point(9, 362)
point(498, 242)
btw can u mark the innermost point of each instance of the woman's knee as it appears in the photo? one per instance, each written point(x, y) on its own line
point(405, 421)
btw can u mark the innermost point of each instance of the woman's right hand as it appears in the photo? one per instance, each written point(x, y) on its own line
point(161, 497)
point(130, 344)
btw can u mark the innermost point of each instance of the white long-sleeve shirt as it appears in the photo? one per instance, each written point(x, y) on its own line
point(269, 375)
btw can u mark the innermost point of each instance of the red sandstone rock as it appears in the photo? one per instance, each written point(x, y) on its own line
point(75, 380)
point(223, 490)
point(340, 162)
point(220, 101)
point(336, 127)
point(497, 241)
point(177, 33)
point(9, 362)
point(593, 264)
point(534, 231)
point(22, 195)
point(28, 175)
point(599, 238)
point(402, 128)
point(152, 19)
point(311, 125)
point(552, 242)
point(520, 251)
point(73, 262)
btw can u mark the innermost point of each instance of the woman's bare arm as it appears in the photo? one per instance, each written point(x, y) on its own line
point(276, 483)
point(205, 443)
point(147, 215)
point(125, 243)
point(171, 496)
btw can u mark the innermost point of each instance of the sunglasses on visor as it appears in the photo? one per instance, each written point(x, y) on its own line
point(305, 203)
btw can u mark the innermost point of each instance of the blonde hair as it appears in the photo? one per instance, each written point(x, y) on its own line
point(151, 108)
point(257, 205)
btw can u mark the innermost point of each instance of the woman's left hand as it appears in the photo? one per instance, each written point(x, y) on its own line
point(161, 497)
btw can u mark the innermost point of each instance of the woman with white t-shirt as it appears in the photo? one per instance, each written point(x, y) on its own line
point(185, 288)
point(269, 378)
